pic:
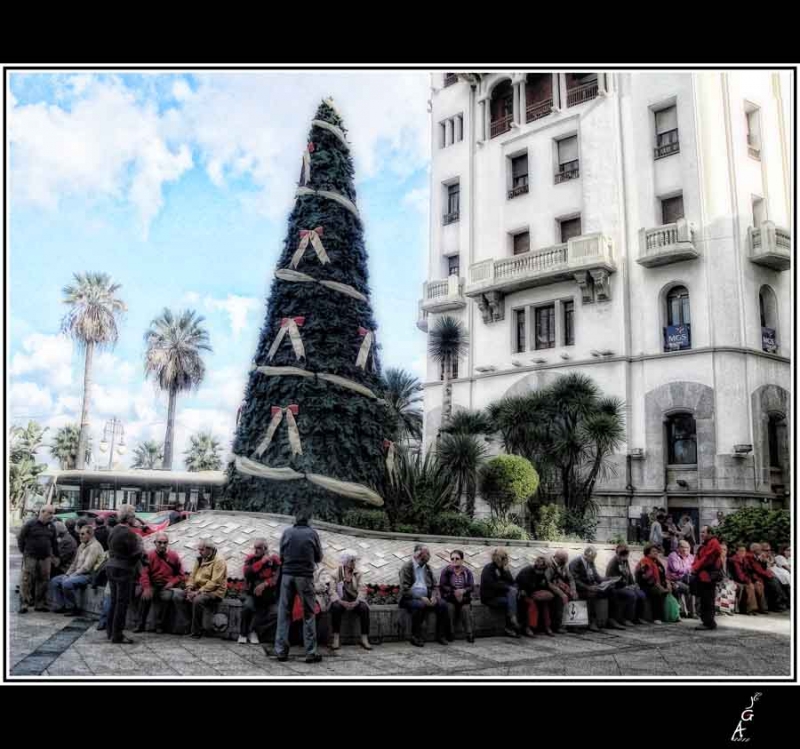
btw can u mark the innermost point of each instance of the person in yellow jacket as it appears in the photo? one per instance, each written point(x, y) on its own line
point(206, 585)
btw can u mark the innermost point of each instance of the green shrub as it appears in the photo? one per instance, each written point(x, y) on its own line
point(479, 529)
point(756, 524)
point(583, 525)
point(405, 528)
point(507, 480)
point(370, 520)
point(451, 524)
point(548, 523)
point(497, 529)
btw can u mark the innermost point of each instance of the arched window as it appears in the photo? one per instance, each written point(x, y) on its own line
point(767, 308)
point(681, 439)
point(774, 428)
point(677, 333)
point(502, 108)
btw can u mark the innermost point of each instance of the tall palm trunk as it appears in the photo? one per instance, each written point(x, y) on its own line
point(83, 439)
point(170, 436)
point(447, 396)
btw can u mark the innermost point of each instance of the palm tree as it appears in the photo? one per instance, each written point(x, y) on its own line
point(401, 390)
point(204, 453)
point(91, 322)
point(147, 454)
point(64, 448)
point(24, 471)
point(447, 343)
point(461, 456)
point(174, 344)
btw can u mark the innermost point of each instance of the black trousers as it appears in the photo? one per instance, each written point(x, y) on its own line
point(338, 611)
point(706, 592)
point(121, 582)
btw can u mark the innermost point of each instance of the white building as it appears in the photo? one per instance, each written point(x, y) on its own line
point(634, 227)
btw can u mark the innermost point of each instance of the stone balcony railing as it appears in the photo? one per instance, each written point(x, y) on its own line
point(442, 295)
point(577, 259)
point(670, 243)
point(770, 246)
point(422, 318)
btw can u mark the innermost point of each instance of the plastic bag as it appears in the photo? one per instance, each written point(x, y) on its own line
point(672, 609)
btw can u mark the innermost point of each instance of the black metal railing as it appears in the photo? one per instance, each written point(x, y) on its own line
point(579, 94)
point(567, 171)
point(667, 143)
point(450, 218)
point(501, 125)
point(538, 109)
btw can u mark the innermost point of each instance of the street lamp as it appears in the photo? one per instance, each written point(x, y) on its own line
point(113, 438)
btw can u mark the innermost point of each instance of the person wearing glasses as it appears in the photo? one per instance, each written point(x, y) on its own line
point(456, 586)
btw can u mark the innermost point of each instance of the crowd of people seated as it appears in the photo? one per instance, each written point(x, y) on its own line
point(293, 593)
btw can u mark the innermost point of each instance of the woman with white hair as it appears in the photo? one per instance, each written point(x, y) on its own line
point(347, 595)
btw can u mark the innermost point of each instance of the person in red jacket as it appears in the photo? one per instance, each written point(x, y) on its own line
point(751, 598)
point(707, 570)
point(758, 571)
point(261, 570)
point(162, 573)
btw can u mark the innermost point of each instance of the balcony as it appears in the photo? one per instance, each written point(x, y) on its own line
point(520, 189)
point(770, 246)
point(501, 125)
point(450, 79)
point(671, 243)
point(450, 218)
point(569, 170)
point(667, 143)
point(442, 296)
point(422, 318)
point(538, 109)
point(583, 93)
point(580, 257)
point(753, 147)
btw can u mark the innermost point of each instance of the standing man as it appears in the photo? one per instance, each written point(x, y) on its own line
point(417, 597)
point(101, 532)
point(37, 542)
point(162, 573)
point(301, 551)
point(124, 558)
point(707, 568)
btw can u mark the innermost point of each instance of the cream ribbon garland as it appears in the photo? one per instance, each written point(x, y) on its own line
point(290, 325)
point(335, 379)
point(312, 236)
point(340, 199)
point(294, 435)
point(333, 129)
point(287, 274)
point(366, 345)
point(388, 445)
point(343, 488)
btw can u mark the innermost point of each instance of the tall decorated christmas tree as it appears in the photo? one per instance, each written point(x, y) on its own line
point(313, 428)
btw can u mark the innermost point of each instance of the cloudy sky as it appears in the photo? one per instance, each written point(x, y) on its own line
point(179, 186)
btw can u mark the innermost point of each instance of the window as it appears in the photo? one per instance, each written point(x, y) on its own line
point(570, 228)
point(568, 165)
point(569, 323)
point(449, 79)
point(519, 334)
point(522, 243)
point(767, 308)
point(667, 132)
point(453, 268)
point(501, 109)
point(759, 212)
point(452, 203)
point(682, 439)
point(753, 133)
point(546, 327)
point(453, 370)
point(671, 209)
point(677, 333)
point(451, 131)
point(519, 176)
point(773, 426)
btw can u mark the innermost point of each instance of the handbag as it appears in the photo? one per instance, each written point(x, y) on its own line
point(672, 609)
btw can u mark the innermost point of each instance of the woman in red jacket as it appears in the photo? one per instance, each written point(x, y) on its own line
point(652, 579)
point(751, 592)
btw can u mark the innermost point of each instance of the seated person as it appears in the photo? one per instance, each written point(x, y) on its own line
point(498, 590)
point(261, 571)
point(535, 596)
point(206, 586)
point(679, 568)
point(158, 580)
point(563, 586)
point(751, 592)
point(348, 595)
point(776, 599)
point(652, 579)
point(67, 548)
point(101, 532)
point(456, 586)
point(782, 569)
point(587, 582)
point(627, 597)
point(84, 563)
point(418, 596)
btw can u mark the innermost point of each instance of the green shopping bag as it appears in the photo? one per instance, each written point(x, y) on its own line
point(672, 609)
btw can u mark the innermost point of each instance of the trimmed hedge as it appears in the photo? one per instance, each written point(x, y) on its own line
point(369, 520)
point(756, 524)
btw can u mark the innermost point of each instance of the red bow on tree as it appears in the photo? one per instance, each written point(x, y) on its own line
point(319, 231)
point(297, 320)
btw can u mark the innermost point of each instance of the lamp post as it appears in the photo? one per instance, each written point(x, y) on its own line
point(113, 437)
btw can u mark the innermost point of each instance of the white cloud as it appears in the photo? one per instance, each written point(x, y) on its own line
point(49, 355)
point(108, 366)
point(236, 307)
point(418, 199)
point(181, 90)
point(27, 400)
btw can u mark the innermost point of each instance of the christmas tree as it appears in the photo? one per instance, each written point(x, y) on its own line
point(313, 427)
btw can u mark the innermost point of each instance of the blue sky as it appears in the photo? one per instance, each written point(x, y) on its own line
point(178, 186)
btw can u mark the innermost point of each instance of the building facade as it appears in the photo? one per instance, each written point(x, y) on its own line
point(635, 227)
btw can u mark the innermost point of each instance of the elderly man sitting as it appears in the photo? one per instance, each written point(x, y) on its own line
point(587, 581)
point(562, 583)
point(627, 596)
point(206, 585)
point(347, 595)
point(417, 596)
point(162, 573)
point(87, 559)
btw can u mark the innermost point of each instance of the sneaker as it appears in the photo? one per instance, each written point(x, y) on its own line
point(529, 632)
point(511, 632)
point(253, 637)
point(657, 621)
point(316, 658)
point(242, 640)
